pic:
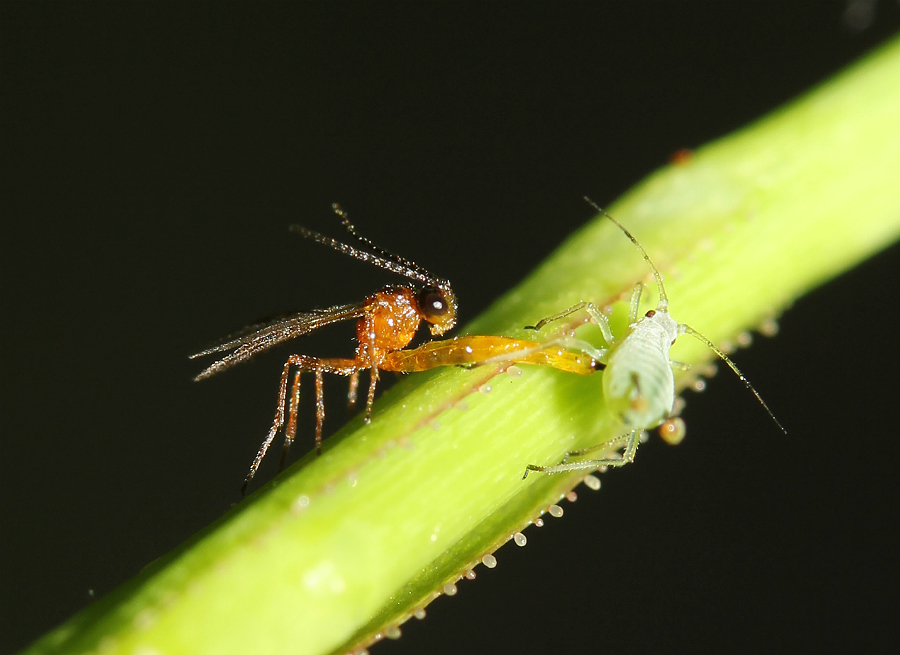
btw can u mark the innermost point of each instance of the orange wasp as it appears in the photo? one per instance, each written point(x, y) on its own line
point(386, 323)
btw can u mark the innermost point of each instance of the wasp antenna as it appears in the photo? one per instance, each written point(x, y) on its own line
point(687, 329)
point(419, 272)
point(373, 254)
point(361, 255)
point(382, 252)
point(663, 299)
point(351, 228)
point(386, 254)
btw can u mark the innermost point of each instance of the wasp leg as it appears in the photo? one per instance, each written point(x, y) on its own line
point(277, 422)
point(370, 398)
point(351, 392)
point(303, 363)
point(320, 409)
point(290, 431)
point(373, 376)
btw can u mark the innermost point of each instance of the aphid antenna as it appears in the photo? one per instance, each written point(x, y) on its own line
point(687, 329)
point(663, 299)
point(373, 254)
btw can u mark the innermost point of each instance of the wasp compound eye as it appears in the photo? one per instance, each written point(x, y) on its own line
point(432, 303)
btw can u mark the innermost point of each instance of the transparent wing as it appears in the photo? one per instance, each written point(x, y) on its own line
point(261, 336)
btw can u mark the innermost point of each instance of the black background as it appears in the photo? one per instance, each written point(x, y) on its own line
point(153, 155)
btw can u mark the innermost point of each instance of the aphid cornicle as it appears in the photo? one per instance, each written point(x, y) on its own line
point(638, 384)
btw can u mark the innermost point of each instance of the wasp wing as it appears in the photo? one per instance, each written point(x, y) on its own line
point(261, 336)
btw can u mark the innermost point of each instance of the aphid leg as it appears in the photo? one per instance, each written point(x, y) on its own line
point(584, 346)
point(596, 315)
point(351, 393)
point(291, 430)
point(541, 323)
point(566, 312)
point(635, 302)
point(320, 409)
point(630, 441)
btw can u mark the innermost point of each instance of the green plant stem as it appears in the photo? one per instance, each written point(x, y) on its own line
point(343, 545)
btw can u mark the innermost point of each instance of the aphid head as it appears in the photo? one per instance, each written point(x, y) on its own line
point(437, 305)
point(659, 325)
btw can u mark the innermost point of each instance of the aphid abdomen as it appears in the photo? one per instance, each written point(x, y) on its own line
point(638, 384)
